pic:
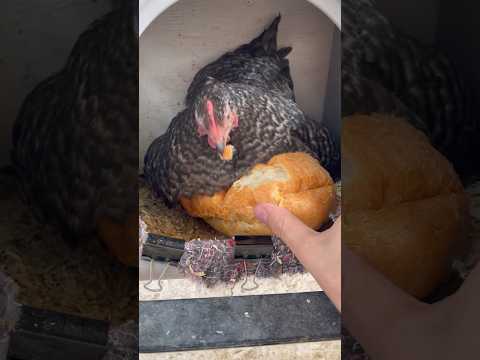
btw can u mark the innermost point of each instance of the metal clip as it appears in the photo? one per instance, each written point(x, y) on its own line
point(232, 287)
point(150, 277)
point(255, 284)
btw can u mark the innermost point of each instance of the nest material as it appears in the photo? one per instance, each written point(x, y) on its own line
point(176, 223)
point(52, 275)
point(213, 262)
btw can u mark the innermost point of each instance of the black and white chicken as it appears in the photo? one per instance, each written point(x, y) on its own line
point(385, 70)
point(244, 99)
point(75, 140)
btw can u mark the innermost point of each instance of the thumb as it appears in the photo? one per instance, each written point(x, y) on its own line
point(284, 224)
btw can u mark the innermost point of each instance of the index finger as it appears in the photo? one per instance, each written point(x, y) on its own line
point(285, 225)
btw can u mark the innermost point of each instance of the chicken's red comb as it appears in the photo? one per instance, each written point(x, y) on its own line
point(213, 130)
point(211, 115)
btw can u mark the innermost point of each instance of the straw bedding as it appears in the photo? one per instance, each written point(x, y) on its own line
point(174, 223)
point(53, 275)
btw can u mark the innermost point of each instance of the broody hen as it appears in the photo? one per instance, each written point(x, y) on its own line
point(243, 100)
point(384, 70)
point(76, 138)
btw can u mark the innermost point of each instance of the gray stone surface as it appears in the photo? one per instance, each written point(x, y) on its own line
point(188, 324)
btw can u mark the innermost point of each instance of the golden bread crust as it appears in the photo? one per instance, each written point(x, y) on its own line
point(404, 207)
point(295, 181)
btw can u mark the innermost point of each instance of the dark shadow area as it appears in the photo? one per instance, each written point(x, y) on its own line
point(68, 182)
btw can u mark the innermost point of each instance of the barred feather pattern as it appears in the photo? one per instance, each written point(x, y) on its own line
point(180, 163)
point(267, 73)
point(75, 138)
point(377, 57)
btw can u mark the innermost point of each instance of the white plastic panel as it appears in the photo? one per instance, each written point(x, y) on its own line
point(150, 9)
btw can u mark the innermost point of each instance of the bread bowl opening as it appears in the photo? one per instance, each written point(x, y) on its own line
point(262, 176)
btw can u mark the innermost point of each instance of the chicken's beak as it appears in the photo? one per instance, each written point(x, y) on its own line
point(220, 146)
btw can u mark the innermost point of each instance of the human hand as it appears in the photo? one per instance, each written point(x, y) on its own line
point(319, 253)
point(391, 324)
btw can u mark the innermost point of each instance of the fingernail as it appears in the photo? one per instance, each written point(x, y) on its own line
point(261, 212)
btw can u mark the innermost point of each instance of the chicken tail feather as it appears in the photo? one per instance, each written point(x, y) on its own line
point(283, 52)
point(266, 42)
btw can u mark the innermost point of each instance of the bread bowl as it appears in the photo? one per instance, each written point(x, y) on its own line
point(295, 181)
point(404, 208)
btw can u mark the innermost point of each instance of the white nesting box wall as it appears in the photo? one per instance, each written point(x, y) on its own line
point(180, 37)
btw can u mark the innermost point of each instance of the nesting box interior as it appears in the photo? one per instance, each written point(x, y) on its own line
point(191, 33)
point(178, 38)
